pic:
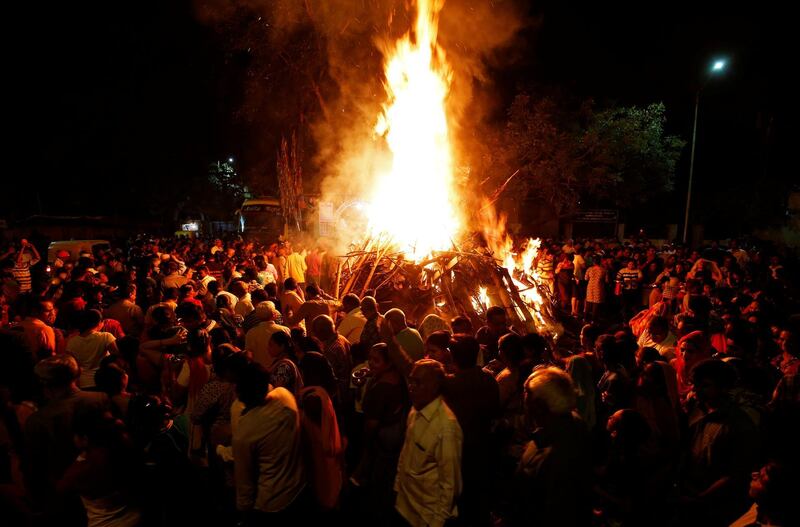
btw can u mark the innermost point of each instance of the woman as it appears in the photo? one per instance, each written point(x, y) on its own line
point(284, 371)
point(112, 379)
point(691, 349)
point(565, 273)
point(654, 402)
point(90, 346)
point(580, 370)
point(385, 407)
point(194, 373)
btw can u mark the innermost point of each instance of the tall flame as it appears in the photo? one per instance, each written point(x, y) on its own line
point(413, 203)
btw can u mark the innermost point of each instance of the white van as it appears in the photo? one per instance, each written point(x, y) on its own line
point(74, 248)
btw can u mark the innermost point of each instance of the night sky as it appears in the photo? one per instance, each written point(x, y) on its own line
point(120, 106)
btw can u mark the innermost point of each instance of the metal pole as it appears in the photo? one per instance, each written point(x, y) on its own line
point(691, 168)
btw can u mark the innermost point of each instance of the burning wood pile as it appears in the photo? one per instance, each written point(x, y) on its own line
point(448, 283)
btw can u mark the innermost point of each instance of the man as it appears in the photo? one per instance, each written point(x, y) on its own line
point(49, 431)
point(774, 502)
point(296, 266)
point(473, 395)
point(26, 258)
point(126, 312)
point(268, 465)
point(353, 322)
point(314, 266)
point(37, 330)
point(629, 280)
point(407, 338)
point(336, 350)
point(173, 277)
point(313, 307)
point(658, 336)
point(257, 339)
point(370, 333)
point(253, 319)
point(488, 335)
point(596, 279)
point(203, 279)
point(554, 476)
point(722, 450)
point(428, 478)
point(291, 298)
point(244, 304)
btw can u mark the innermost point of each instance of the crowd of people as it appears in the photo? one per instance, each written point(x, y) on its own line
point(192, 382)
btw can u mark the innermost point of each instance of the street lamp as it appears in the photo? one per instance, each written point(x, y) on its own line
point(717, 67)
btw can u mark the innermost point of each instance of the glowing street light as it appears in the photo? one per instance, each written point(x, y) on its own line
point(717, 67)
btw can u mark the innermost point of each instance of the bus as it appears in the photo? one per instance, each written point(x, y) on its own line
point(262, 219)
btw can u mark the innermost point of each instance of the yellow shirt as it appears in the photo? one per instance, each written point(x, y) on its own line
point(429, 471)
point(296, 267)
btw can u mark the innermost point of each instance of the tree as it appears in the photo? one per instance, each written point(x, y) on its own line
point(568, 154)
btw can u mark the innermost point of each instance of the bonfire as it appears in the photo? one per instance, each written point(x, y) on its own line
point(417, 252)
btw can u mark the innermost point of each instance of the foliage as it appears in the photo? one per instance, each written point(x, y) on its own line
point(223, 176)
point(569, 153)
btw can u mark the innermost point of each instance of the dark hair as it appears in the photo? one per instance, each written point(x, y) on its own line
point(284, 340)
point(312, 290)
point(461, 324)
point(309, 344)
point(109, 379)
point(510, 345)
point(258, 295)
point(383, 350)
point(289, 284)
point(162, 315)
point(89, 319)
point(271, 289)
point(171, 293)
point(190, 310)
point(317, 371)
point(718, 372)
point(494, 311)
point(350, 301)
point(223, 301)
point(440, 339)
point(197, 342)
point(464, 349)
point(535, 346)
point(220, 358)
point(252, 385)
point(649, 355)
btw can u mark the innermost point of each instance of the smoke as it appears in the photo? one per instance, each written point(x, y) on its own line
point(476, 35)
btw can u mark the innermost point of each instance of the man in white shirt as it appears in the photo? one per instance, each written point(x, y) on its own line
point(257, 339)
point(351, 326)
point(429, 470)
point(243, 305)
point(658, 336)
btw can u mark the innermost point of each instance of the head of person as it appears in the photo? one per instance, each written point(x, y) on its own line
point(252, 385)
point(496, 319)
point(712, 381)
point(437, 347)
point(265, 311)
point(425, 382)
point(171, 294)
point(658, 329)
point(223, 301)
point(771, 488)
point(369, 307)
point(45, 311)
point(202, 271)
point(198, 344)
point(191, 315)
point(111, 379)
point(271, 289)
point(58, 373)
point(396, 319)
point(462, 324)
point(645, 355)
point(90, 320)
point(789, 343)
point(312, 291)
point(350, 302)
point(280, 345)
point(214, 287)
point(172, 267)
point(324, 328)
point(510, 349)
point(379, 361)
point(258, 295)
point(549, 395)
point(238, 288)
point(465, 350)
point(317, 371)
point(290, 284)
point(589, 334)
point(535, 348)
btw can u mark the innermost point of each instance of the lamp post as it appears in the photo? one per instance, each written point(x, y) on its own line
point(717, 67)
